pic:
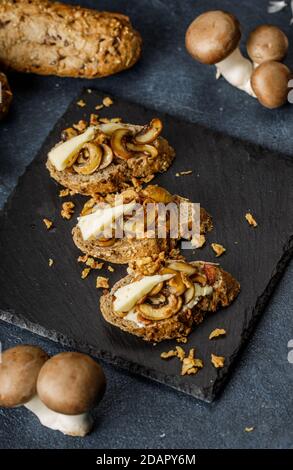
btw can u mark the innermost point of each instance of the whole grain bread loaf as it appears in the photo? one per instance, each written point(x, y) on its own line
point(5, 95)
point(51, 38)
point(226, 289)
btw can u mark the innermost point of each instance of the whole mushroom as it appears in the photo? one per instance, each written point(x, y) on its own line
point(60, 394)
point(267, 42)
point(213, 38)
point(69, 385)
point(270, 83)
point(19, 370)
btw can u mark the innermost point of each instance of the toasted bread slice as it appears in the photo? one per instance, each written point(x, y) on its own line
point(222, 287)
point(119, 172)
point(125, 250)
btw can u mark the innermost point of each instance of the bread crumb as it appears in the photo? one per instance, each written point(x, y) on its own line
point(102, 282)
point(107, 101)
point(184, 173)
point(50, 262)
point(48, 223)
point(183, 340)
point(190, 364)
point(180, 353)
point(81, 103)
point(218, 249)
point(89, 91)
point(247, 429)
point(217, 332)
point(168, 354)
point(85, 272)
point(82, 259)
point(94, 119)
point(64, 192)
point(67, 210)
point(198, 242)
point(111, 269)
point(217, 361)
point(250, 219)
point(93, 264)
point(148, 178)
point(99, 106)
point(80, 125)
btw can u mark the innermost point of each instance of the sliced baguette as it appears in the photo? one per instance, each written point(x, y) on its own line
point(226, 289)
point(120, 172)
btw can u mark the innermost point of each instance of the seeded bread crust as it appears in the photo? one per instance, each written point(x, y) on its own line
point(125, 250)
point(50, 38)
point(226, 289)
point(6, 95)
point(115, 177)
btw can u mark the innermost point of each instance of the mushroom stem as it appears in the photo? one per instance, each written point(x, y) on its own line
point(237, 70)
point(72, 425)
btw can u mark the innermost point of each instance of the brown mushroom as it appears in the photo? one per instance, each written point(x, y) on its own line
point(147, 149)
point(213, 38)
point(89, 159)
point(270, 82)
point(177, 285)
point(157, 194)
point(150, 132)
point(267, 42)
point(153, 311)
point(181, 266)
point(19, 371)
point(118, 143)
point(107, 157)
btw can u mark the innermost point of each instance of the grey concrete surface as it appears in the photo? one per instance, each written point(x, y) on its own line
point(136, 413)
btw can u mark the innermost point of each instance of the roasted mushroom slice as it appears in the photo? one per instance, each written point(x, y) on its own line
point(105, 241)
point(149, 133)
point(147, 149)
point(182, 267)
point(156, 289)
point(190, 291)
point(118, 143)
point(107, 157)
point(89, 159)
point(177, 285)
point(152, 311)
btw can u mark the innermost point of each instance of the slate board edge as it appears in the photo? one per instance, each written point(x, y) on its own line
point(192, 390)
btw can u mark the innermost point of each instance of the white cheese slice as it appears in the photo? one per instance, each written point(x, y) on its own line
point(92, 224)
point(127, 296)
point(60, 155)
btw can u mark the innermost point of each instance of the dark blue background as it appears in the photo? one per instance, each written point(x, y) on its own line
point(136, 412)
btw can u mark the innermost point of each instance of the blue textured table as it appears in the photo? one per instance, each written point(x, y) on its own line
point(135, 412)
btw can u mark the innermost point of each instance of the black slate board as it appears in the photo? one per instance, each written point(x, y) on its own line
point(230, 177)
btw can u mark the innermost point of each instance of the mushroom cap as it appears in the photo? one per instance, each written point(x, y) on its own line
point(19, 371)
point(71, 383)
point(269, 82)
point(267, 42)
point(213, 36)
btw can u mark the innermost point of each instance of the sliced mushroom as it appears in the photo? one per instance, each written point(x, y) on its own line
point(182, 267)
point(105, 241)
point(154, 312)
point(189, 293)
point(107, 157)
point(150, 150)
point(118, 143)
point(149, 133)
point(177, 285)
point(156, 289)
point(110, 127)
point(200, 279)
point(89, 159)
point(157, 194)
